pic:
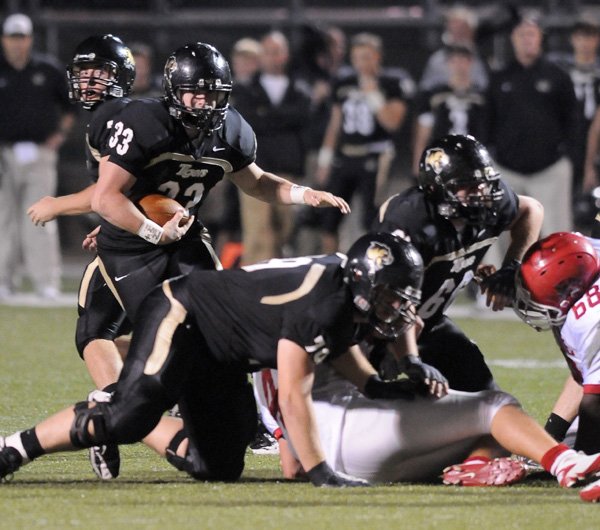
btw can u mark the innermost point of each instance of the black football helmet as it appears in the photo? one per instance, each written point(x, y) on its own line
point(198, 67)
point(109, 54)
point(457, 176)
point(385, 273)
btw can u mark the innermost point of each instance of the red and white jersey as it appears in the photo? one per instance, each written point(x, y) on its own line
point(580, 336)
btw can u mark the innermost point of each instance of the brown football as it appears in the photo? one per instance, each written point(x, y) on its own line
point(160, 209)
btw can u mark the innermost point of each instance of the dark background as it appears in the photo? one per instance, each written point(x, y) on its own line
point(410, 30)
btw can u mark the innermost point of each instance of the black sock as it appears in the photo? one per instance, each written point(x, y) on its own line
point(31, 444)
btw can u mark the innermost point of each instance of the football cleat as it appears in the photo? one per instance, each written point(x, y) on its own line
point(591, 493)
point(264, 443)
point(484, 472)
point(105, 459)
point(574, 467)
point(10, 461)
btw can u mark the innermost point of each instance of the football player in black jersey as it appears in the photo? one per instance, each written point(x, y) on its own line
point(453, 216)
point(289, 314)
point(179, 146)
point(100, 75)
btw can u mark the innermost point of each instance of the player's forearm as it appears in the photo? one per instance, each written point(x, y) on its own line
point(301, 426)
point(74, 203)
point(118, 210)
point(526, 230)
point(355, 367)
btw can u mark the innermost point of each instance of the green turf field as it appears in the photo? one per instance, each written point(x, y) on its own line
point(40, 373)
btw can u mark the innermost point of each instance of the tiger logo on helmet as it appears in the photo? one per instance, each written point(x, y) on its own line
point(436, 159)
point(379, 255)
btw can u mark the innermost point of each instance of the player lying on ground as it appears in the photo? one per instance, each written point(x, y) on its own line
point(558, 289)
point(420, 440)
point(198, 335)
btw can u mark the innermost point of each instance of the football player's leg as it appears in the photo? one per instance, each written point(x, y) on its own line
point(520, 434)
point(447, 348)
point(388, 441)
point(100, 320)
point(220, 416)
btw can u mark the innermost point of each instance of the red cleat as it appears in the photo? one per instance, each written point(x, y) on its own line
point(484, 472)
point(591, 493)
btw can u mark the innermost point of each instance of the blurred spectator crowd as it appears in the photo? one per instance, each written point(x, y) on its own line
point(330, 109)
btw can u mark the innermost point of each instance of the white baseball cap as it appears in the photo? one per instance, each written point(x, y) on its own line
point(17, 24)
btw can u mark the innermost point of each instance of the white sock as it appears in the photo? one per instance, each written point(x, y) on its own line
point(14, 441)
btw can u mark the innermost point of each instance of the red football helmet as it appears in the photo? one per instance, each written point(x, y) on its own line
point(556, 271)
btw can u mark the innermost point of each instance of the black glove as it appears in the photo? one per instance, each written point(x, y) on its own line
point(502, 282)
point(419, 372)
point(376, 388)
point(323, 476)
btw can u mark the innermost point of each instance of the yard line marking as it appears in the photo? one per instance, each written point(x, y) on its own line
point(527, 363)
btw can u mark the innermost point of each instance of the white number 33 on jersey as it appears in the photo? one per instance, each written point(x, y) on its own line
point(120, 138)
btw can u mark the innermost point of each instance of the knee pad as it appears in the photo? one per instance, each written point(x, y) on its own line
point(79, 433)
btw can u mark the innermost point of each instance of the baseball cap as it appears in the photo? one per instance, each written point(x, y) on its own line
point(17, 24)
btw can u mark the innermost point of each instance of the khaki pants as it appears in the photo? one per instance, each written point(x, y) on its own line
point(552, 187)
point(266, 228)
point(27, 173)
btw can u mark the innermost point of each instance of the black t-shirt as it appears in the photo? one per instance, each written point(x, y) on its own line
point(454, 112)
point(359, 124)
point(33, 100)
point(242, 313)
point(450, 258)
point(154, 147)
point(532, 112)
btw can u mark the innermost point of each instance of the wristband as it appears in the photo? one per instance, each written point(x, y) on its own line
point(557, 427)
point(375, 101)
point(297, 194)
point(150, 231)
point(325, 157)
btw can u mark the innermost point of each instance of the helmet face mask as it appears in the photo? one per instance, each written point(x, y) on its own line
point(457, 176)
point(102, 67)
point(384, 274)
point(393, 311)
point(556, 272)
point(198, 84)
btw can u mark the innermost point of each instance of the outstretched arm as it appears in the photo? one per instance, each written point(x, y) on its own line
point(49, 208)
point(268, 187)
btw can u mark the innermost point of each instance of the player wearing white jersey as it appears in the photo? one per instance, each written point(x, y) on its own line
point(418, 440)
point(558, 288)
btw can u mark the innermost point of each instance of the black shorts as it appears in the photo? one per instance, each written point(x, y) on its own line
point(100, 314)
point(131, 276)
point(350, 175)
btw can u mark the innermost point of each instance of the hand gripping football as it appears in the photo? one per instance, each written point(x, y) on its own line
point(160, 209)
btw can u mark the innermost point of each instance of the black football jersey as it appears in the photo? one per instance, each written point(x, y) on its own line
point(454, 112)
point(147, 142)
point(359, 124)
point(242, 313)
point(450, 258)
point(98, 131)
